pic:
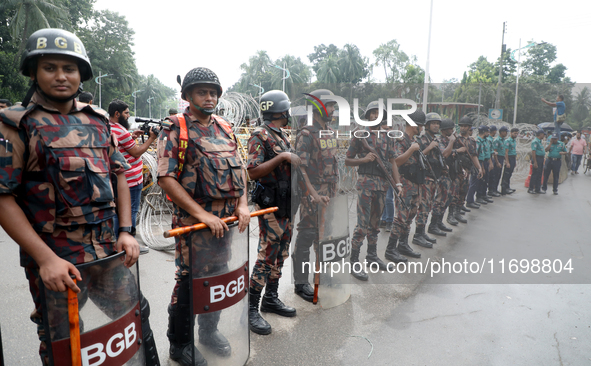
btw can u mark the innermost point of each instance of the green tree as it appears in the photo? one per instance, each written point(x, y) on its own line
point(258, 72)
point(328, 70)
point(321, 53)
point(392, 59)
point(299, 73)
point(581, 106)
point(539, 58)
point(352, 65)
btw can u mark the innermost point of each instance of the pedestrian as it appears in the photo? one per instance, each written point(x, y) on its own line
point(430, 148)
point(412, 175)
point(372, 184)
point(559, 112)
point(86, 97)
point(5, 103)
point(494, 174)
point(537, 157)
point(465, 146)
point(200, 169)
point(578, 148)
point(270, 163)
point(132, 152)
point(510, 160)
point(57, 200)
point(320, 172)
point(555, 149)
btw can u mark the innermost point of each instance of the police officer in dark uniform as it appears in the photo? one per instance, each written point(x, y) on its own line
point(57, 200)
point(270, 164)
point(320, 173)
point(412, 175)
point(206, 183)
point(372, 185)
point(435, 164)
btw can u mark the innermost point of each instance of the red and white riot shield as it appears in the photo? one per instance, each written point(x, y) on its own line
point(110, 330)
point(219, 285)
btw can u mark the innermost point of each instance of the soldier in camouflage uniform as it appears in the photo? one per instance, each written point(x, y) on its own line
point(269, 164)
point(372, 185)
point(430, 148)
point(320, 172)
point(412, 175)
point(56, 156)
point(448, 183)
point(206, 183)
point(465, 147)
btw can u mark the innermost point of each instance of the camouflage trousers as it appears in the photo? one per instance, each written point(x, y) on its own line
point(427, 195)
point(370, 205)
point(274, 238)
point(446, 190)
point(463, 185)
point(211, 254)
point(94, 242)
point(405, 215)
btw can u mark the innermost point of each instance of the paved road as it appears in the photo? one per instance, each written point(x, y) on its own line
point(410, 319)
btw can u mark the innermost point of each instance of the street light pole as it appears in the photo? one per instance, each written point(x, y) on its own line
point(150, 106)
point(498, 98)
point(99, 84)
point(284, 77)
point(134, 102)
point(426, 85)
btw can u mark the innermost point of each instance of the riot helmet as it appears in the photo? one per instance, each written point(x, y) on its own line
point(275, 101)
point(465, 121)
point(418, 117)
point(317, 95)
point(200, 75)
point(371, 106)
point(446, 124)
point(430, 117)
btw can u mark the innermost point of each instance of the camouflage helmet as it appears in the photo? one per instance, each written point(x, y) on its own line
point(418, 117)
point(53, 41)
point(447, 124)
point(200, 75)
point(373, 105)
point(432, 117)
point(465, 121)
point(274, 101)
point(318, 93)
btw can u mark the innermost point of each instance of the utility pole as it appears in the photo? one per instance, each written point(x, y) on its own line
point(498, 99)
point(426, 85)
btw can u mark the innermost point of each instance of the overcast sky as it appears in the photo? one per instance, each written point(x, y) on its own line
point(174, 36)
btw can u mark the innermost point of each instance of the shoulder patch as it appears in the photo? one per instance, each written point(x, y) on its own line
point(167, 124)
point(12, 116)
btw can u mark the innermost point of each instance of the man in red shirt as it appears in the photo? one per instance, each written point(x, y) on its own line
point(578, 148)
point(118, 116)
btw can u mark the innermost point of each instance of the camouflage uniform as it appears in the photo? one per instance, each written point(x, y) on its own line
point(318, 157)
point(410, 190)
point(274, 232)
point(427, 189)
point(448, 183)
point(58, 168)
point(212, 176)
point(467, 165)
point(372, 187)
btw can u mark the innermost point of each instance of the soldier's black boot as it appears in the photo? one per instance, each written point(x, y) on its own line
point(428, 238)
point(433, 228)
point(458, 216)
point(150, 350)
point(419, 239)
point(392, 253)
point(405, 249)
point(372, 257)
point(360, 275)
point(450, 216)
point(442, 226)
point(256, 322)
point(301, 254)
point(210, 336)
point(464, 209)
point(272, 304)
point(180, 326)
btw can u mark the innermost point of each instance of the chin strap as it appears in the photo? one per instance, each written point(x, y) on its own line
point(207, 112)
point(285, 115)
point(35, 87)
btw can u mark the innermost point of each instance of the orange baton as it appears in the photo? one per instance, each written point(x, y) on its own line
point(74, 326)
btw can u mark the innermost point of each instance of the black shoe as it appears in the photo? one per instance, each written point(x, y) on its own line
point(392, 253)
point(404, 249)
point(542, 192)
point(480, 201)
point(472, 205)
point(305, 291)
point(372, 257)
point(538, 192)
point(418, 239)
point(495, 194)
point(428, 238)
point(488, 200)
point(531, 191)
point(272, 304)
point(450, 216)
point(456, 215)
point(256, 322)
point(181, 353)
point(510, 191)
point(504, 192)
point(361, 275)
point(463, 208)
point(434, 227)
point(555, 193)
point(211, 337)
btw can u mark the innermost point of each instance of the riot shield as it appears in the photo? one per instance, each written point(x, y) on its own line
point(333, 250)
point(110, 323)
point(219, 285)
